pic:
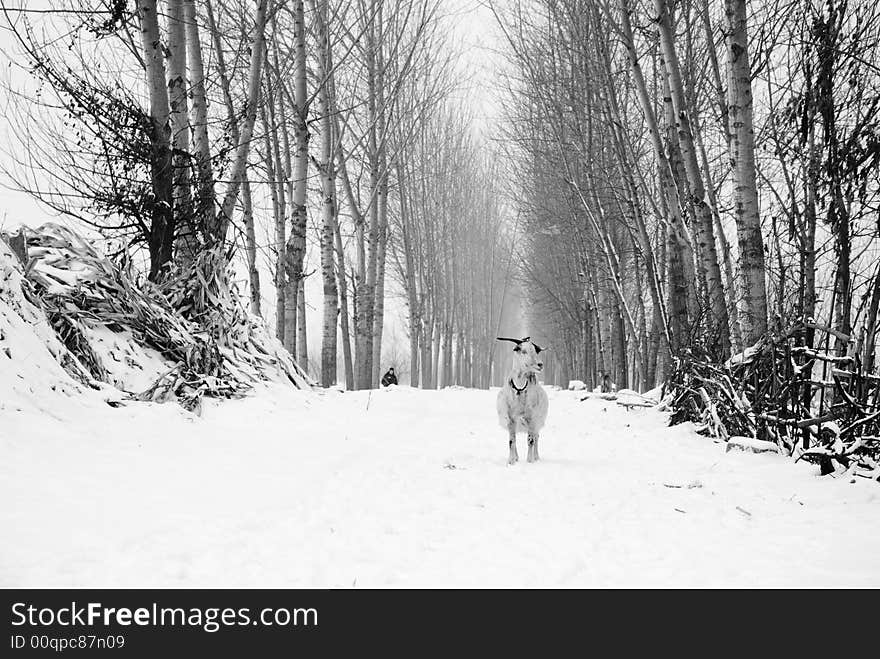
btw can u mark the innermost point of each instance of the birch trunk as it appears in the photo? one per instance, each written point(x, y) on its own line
point(436, 337)
point(717, 322)
point(379, 296)
point(327, 173)
point(410, 281)
point(752, 293)
point(205, 210)
point(671, 204)
point(366, 301)
point(360, 297)
point(177, 99)
point(161, 166)
point(447, 355)
point(302, 345)
point(425, 344)
point(251, 247)
point(691, 266)
point(295, 250)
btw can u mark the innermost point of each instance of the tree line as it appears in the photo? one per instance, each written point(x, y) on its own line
point(692, 174)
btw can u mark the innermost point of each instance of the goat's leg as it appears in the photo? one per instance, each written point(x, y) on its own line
point(511, 431)
point(533, 445)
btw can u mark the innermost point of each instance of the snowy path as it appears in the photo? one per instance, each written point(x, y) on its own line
point(293, 489)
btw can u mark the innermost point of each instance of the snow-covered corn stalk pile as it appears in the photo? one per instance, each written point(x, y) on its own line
point(31, 356)
point(811, 403)
point(192, 327)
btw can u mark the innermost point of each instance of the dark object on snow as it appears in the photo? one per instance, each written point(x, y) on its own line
point(389, 378)
point(606, 383)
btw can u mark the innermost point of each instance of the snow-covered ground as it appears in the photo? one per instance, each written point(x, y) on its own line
point(404, 487)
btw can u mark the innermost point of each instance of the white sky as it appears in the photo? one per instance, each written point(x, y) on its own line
point(15, 207)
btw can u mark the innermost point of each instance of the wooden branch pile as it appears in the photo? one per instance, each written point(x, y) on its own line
point(813, 404)
point(194, 319)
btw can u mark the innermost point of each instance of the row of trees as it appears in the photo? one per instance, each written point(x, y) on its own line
point(692, 174)
point(452, 254)
point(263, 131)
point(677, 174)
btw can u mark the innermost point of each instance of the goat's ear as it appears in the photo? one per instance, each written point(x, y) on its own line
point(538, 348)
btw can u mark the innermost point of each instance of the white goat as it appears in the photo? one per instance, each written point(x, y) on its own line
point(522, 403)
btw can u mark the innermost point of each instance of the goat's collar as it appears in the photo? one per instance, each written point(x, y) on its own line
point(530, 378)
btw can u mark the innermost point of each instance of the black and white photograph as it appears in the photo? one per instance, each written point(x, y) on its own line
point(438, 294)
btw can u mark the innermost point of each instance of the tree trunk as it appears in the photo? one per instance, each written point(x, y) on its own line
point(328, 261)
point(808, 231)
point(360, 267)
point(842, 278)
point(251, 247)
point(366, 302)
point(379, 291)
point(752, 293)
point(177, 98)
point(270, 144)
point(717, 321)
point(412, 298)
point(161, 242)
point(236, 175)
point(436, 338)
point(670, 201)
point(204, 209)
point(327, 172)
point(295, 250)
point(425, 343)
point(871, 323)
point(343, 307)
point(302, 346)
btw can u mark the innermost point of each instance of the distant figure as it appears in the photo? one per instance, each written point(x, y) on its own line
point(606, 383)
point(389, 378)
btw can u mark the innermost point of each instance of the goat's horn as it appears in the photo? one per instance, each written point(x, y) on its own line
point(504, 338)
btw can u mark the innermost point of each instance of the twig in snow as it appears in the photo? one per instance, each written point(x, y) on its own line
point(631, 404)
point(369, 398)
point(679, 510)
point(744, 511)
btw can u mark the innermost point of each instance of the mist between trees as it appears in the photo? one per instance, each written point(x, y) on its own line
point(663, 177)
